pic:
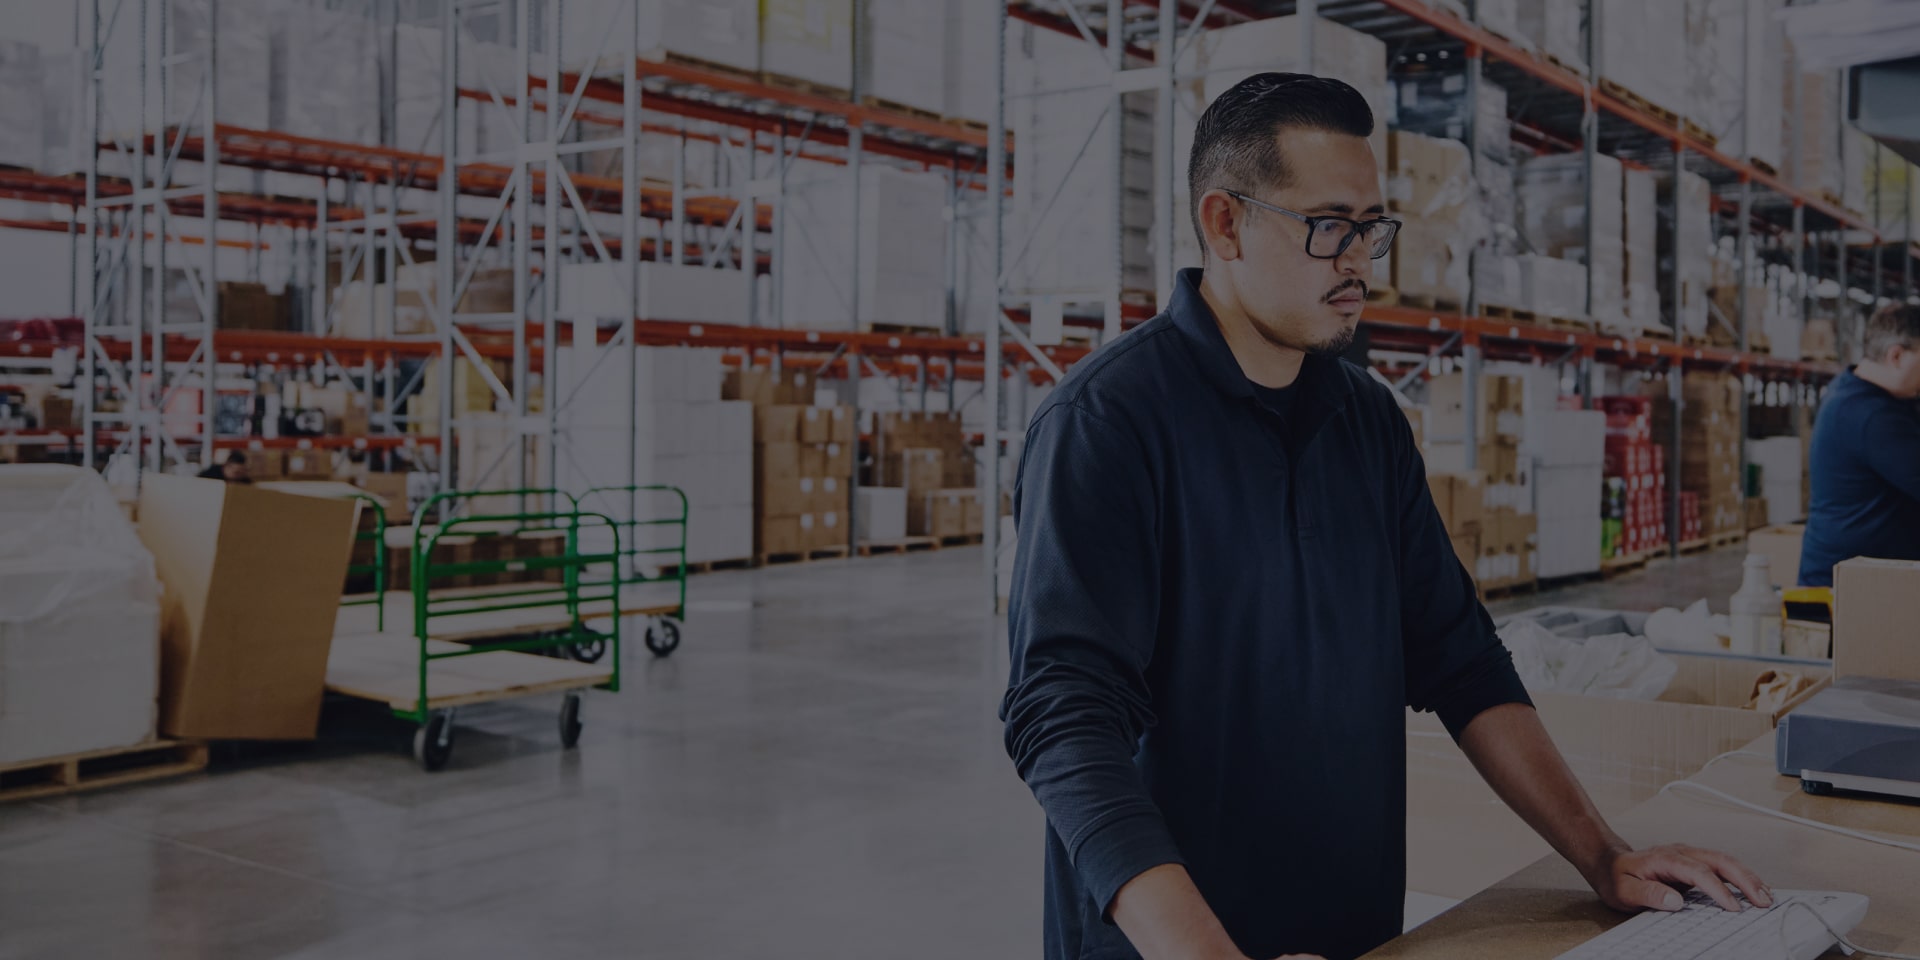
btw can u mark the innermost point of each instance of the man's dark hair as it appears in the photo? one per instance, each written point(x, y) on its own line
point(236, 456)
point(1235, 145)
point(1896, 324)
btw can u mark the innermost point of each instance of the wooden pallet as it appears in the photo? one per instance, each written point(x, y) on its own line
point(1655, 333)
point(1511, 588)
point(1695, 546)
point(712, 566)
point(1569, 324)
point(100, 769)
point(881, 103)
point(681, 59)
point(804, 86)
point(1699, 133)
point(1730, 538)
point(978, 126)
point(836, 552)
point(901, 329)
point(1515, 314)
point(1763, 167)
point(962, 540)
point(1564, 65)
point(1435, 304)
point(870, 548)
point(1624, 95)
point(1616, 566)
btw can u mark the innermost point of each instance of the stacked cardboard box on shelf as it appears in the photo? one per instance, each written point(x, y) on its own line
point(803, 462)
point(1633, 517)
point(1643, 48)
point(1460, 499)
point(808, 40)
point(1430, 188)
point(927, 456)
point(1641, 247)
point(903, 251)
point(1507, 532)
point(1710, 450)
point(1737, 50)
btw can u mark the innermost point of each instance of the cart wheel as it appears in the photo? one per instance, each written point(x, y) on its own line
point(1816, 788)
point(590, 651)
point(570, 721)
point(433, 741)
point(663, 638)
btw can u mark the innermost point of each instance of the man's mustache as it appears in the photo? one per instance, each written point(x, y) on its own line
point(1360, 285)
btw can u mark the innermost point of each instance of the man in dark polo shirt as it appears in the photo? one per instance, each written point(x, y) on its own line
point(1865, 460)
point(1232, 581)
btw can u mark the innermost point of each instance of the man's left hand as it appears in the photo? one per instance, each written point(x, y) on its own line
point(1635, 880)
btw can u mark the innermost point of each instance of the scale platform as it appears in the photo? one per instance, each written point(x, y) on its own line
point(1862, 734)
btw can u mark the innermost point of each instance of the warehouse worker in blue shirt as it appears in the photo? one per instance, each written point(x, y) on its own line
point(1865, 458)
point(1232, 581)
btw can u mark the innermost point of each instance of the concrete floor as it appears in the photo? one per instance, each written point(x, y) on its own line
point(817, 773)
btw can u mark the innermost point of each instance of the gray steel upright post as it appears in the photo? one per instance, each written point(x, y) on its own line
point(1475, 60)
point(996, 205)
point(1743, 252)
point(1674, 289)
point(1590, 147)
point(1164, 213)
point(92, 360)
point(210, 218)
point(1117, 112)
point(447, 236)
point(856, 143)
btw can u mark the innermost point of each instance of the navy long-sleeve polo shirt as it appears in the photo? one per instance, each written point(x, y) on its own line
point(1865, 468)
point(1218, 616)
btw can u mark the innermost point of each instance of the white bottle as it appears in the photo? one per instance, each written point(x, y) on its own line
point(1755, 611)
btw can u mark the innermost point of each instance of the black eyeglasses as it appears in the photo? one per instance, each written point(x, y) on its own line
point(1329, 237)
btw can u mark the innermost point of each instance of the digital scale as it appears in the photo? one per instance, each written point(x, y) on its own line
point(1861, 734)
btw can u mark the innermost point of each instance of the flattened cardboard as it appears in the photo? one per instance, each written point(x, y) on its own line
point(252, 585)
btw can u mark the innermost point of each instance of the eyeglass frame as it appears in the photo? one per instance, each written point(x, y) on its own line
point(1313, 223)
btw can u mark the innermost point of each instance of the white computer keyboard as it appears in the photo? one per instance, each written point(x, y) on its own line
point(1703, 931)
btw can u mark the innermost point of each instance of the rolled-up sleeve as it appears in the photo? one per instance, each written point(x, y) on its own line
point(1081, 623)
point(1457, 667)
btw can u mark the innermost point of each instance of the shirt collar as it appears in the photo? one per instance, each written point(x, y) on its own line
point(1320, 377)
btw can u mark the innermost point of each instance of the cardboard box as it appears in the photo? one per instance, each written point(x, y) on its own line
point(777, 424)
point(840, 428)
point(839, 460)
point(248, 306)
point(1807, 640)
point(753, 386)
point(1781, 546)
point(777, 461)
point(816, 425)
point(391, 490)
point(266, 464)
point(1461, 838)
point(793, 387)
point(829, 496)
point(1466, 548)
point(252, 587)
point(786, 496)
point(1461, 499)
point(309, 465)
point(1876, 604)
point(919, 470)
point(828, 530)
point(813, 460)
point(57, 413)
point(784, 534)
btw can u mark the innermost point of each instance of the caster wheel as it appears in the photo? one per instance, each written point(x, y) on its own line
point(590, 651)
point(433, 741)
point(570, 721)
point(663, 638)
point(1816, 788)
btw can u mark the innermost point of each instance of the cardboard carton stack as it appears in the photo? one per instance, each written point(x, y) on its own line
point(1430, 187)
point(803, 462)
point(928, 457)
point(1460, 499)
point(1710, 449)
point(1506, 537)
point(1633, 517)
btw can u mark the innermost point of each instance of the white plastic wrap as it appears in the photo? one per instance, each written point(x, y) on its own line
point(904, 57)
point(1619, 666)
point(810, 40)
point(1554, 29)
point(22, 141)
point(1641, 249)
point(79, 617)
point(1553, 222)
point(326, 76)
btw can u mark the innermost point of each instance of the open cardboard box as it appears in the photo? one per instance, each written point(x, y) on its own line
point(1461, 839)
point(251, 586)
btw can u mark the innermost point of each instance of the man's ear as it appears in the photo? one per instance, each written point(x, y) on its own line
point(1220, 222)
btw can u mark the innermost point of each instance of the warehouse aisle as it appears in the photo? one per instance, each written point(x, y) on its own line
point(817, 773)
